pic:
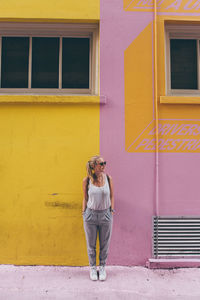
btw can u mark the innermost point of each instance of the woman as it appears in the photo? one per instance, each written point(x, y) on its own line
point(98, 209)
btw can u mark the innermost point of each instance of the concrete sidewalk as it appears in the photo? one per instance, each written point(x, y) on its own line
point(137, 283)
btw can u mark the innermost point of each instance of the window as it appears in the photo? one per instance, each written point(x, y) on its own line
point(48, 58)
point(183, 59)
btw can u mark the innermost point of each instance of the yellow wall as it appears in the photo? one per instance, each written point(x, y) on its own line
point(53, 9)
point(43, 152)
point(137, 58)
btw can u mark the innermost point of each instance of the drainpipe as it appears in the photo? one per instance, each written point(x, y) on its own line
point(156, 124)
point(156, 108)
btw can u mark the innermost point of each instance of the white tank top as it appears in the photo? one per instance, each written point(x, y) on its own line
point(99, 197)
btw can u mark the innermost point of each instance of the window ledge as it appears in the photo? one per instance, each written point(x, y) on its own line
point(53, 99)
point(180, 99)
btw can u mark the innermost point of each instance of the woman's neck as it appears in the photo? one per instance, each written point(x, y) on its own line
point(99, 175)
point(99, 180)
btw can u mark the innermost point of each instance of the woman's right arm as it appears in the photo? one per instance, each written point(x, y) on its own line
point(85, 194)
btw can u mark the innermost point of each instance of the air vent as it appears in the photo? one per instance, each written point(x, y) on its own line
point(176, 236)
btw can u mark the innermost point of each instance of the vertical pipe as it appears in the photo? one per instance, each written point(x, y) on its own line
point(156, 125)
point(156, 109)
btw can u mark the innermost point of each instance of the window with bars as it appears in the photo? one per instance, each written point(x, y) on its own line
point(39, 59)
point(183, 59)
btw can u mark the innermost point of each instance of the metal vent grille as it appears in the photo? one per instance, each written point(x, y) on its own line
point(176, 236)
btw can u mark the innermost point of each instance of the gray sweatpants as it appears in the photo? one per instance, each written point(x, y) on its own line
point(97, 221)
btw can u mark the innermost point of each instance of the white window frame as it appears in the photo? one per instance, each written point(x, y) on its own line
point(172, 31)
point(59, 30)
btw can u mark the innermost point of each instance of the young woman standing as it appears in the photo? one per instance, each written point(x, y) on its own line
point(97, 210)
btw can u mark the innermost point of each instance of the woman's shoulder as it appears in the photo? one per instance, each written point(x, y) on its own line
point(85, 180)
point(108, 176)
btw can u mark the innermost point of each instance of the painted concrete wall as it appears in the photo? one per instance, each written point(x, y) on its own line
point(44, 147)
point(86, 10)
point(44, 150)
point(133, 173)
point(127, 135)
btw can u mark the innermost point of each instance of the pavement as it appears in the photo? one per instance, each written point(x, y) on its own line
point(124, 283)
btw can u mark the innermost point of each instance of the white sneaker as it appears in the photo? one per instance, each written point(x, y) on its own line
point(102, 273)
point(93, 273)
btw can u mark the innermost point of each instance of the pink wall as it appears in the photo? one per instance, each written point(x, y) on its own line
point(134, 173)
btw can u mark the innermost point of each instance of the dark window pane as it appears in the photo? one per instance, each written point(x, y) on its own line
point(183, 64)
point(75, 63)
point(45, 62)
point(14, 71)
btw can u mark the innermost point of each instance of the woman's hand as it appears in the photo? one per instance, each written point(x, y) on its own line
point(112, 211)
point(85, 194)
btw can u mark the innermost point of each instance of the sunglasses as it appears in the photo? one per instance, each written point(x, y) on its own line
point(102, 163)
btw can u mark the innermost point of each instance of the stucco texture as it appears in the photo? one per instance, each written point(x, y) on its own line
point(45, 144)
point(44, 149)
point(86, 10)
point(128, 80)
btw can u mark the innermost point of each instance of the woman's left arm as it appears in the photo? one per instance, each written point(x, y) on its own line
point(111, 194)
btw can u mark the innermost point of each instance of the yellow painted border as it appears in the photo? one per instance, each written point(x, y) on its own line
point(49, 20)
point(71, 99)
point(179, 100)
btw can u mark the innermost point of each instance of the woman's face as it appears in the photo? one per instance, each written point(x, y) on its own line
point(100, 165)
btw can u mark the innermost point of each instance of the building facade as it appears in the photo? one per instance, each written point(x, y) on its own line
point(115, 78)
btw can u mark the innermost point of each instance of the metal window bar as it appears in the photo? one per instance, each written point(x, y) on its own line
point(0, 57)
point(60, 64)
point(90, 64)
point(198, 65)
point(30, 63)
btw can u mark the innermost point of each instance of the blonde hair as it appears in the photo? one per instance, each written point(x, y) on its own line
point(90, 167)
